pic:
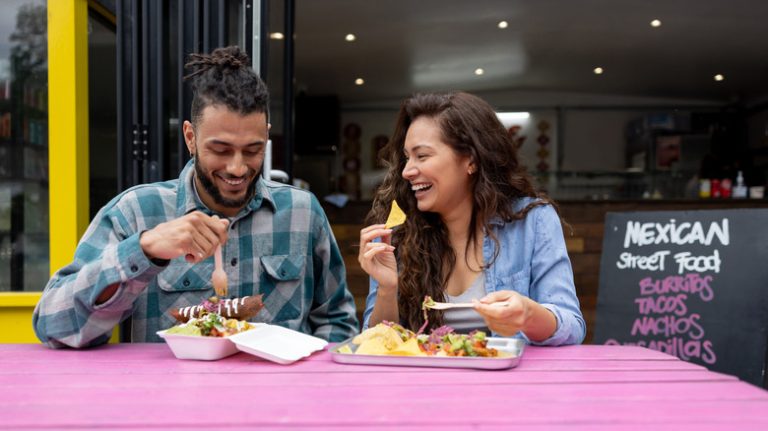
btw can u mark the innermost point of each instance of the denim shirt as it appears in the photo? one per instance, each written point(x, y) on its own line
point(532, 261)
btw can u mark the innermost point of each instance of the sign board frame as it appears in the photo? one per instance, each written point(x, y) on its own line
point(693, 284)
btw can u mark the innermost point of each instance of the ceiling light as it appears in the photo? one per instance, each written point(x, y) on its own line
point(503, 24)
point(655, 23)
point(359, 81)
point(598, 70)
point(479, 71)
point(719, 77)
point(276, 36)
point(350, 37)
point(511, 117)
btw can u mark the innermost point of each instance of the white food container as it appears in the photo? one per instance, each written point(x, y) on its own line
point(277, 344)
point(198, 347)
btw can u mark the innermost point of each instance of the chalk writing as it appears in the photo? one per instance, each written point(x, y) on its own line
point(656, 261)
point(689, 283)
point(668, 326)
point(641, 234)
point(686, 262)
point(676, 346)
point(663, 310)
point(663, 304)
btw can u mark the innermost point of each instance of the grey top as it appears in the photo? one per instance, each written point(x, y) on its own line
point(464, 320)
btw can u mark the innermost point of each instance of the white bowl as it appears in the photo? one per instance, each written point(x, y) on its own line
point(198, 347)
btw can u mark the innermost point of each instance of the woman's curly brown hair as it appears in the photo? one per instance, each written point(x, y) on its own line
point(471, 128)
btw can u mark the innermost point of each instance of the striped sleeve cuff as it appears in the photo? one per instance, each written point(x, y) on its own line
point(131, 268)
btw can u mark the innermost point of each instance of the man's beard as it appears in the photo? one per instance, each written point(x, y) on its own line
point(214, 192)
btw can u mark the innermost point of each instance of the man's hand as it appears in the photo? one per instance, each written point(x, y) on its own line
point(195, 235)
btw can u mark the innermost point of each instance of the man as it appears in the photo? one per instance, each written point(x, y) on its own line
point(149, 250)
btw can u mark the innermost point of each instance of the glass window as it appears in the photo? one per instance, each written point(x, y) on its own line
point(23, 146)
point(102, 107)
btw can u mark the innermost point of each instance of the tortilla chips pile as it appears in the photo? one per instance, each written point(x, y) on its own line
point(392, 339)
point(385, 340)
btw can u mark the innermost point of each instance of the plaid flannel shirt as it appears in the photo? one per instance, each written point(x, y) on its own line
point(280, 245)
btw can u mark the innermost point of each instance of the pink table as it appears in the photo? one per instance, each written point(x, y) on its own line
point(138, 386)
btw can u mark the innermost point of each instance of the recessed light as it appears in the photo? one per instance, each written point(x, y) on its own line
point(719, 77)
point(359, 81)
point(509, 118)
point(276, 36)
point(598, 70)
point(350, 37)
point(479, 71)
point(503, 24)
point(656, 23)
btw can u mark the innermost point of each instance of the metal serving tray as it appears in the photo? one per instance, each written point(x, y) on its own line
point(512, 348)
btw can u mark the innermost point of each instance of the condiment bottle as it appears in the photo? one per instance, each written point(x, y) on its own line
point(725, 188)
point(704, 188)
point(740, 189)
point(714, 188)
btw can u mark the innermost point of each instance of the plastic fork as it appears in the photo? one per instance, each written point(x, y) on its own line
point(447, 305)
point(219, 277)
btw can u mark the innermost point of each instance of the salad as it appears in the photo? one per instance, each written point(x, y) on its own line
point(211, 325)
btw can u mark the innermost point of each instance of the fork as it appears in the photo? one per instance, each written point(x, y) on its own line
point(447, 305)
point(219, 277)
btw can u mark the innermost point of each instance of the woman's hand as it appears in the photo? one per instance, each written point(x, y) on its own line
point(507, 312)
point(378, 258)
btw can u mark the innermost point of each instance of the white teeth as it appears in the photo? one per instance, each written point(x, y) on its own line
point(418, 187)
point(233, 182)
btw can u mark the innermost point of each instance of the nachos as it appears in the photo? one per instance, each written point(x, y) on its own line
point(389, 338)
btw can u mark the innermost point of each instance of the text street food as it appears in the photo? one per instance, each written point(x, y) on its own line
point(396, 216)
point(238, 308)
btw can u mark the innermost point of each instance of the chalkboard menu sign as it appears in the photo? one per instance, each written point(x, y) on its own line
point(693, 284)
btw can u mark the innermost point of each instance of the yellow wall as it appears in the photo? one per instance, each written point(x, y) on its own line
point(16, 317)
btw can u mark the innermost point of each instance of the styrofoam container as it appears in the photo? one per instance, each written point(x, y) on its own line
point(277, 344)
point(197, 347)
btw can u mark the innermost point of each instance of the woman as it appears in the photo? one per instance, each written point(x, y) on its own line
point(476, 230)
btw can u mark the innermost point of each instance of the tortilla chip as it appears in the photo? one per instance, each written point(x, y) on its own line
point(396, 216)
point(345, 349)
point(389, 338)
point(409, 348)
point(373, 346)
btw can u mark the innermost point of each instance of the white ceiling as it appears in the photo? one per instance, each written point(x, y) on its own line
point(404, 46)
